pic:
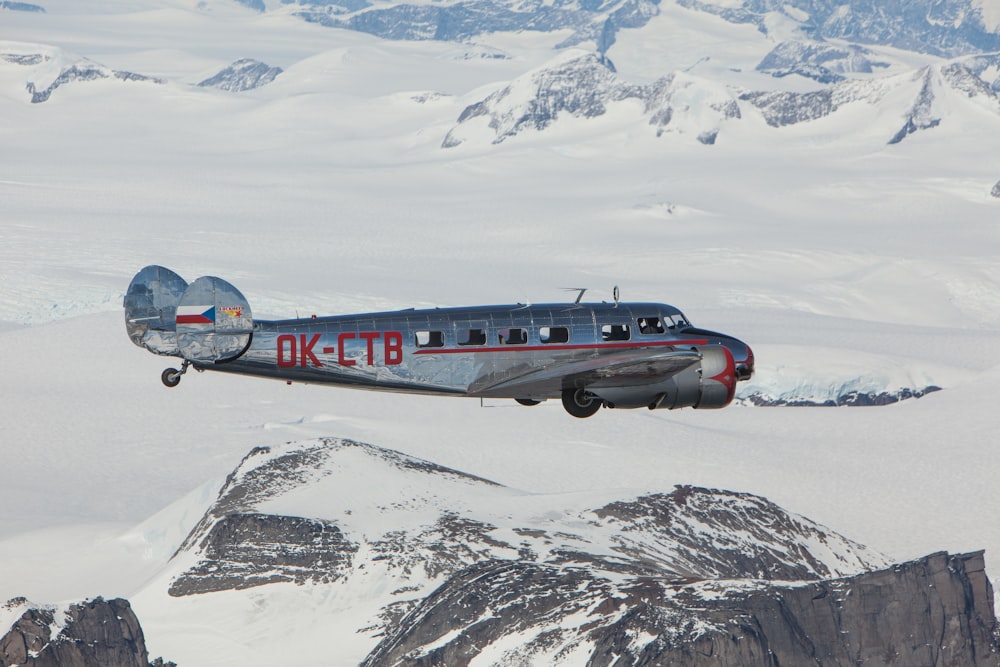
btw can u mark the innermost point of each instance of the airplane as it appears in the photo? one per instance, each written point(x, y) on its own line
point(588, 355)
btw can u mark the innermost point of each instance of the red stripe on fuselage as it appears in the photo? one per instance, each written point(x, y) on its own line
point(557, 346)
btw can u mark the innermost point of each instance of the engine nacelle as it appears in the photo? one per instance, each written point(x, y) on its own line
point(705, 385)
point(718, 378)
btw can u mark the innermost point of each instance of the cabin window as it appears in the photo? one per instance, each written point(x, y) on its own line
point(553, 335)
point(430, 339)
point(651, 325)
point(513, 336)
point(472, 337)
point(615, 332)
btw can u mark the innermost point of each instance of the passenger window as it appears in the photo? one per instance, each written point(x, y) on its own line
point(615, 332)
point(430, 339)
point(513, 336)
point(651, 325)
point(472, 337)
point(553, 334)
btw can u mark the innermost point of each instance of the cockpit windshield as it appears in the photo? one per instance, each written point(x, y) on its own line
point(676, 320)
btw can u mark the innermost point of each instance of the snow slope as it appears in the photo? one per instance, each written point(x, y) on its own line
point(837, 257)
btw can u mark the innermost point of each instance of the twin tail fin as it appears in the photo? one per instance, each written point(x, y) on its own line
point(206, 322)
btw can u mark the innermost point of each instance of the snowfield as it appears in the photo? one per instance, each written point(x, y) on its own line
point(842, 260)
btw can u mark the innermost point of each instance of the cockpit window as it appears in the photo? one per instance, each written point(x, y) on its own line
point(650, 325)
point(676, 321)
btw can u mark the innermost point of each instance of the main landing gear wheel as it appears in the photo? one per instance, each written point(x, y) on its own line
point(580, 402)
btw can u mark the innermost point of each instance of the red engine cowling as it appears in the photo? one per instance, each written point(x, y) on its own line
point(710, 385)
point(718, 377)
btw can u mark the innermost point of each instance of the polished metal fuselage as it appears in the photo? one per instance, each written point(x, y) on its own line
point(590, 355)
point(488, 351)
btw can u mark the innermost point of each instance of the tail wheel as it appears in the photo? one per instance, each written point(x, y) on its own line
point(171, 377)
point(580, 402)
point(527, 401)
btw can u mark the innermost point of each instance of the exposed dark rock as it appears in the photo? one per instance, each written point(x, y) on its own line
point(785, 108)
point(584, 87)
point(95, 633)
point(27, 59)
point(935, 612)
point(588, 20)
point(691, 577)
point(717, 534)
point(243, 74)
point(851, 398)
point(996, 189)
point(84, 72)
point(940, 27)
point(920, 116)
point(818, 60)
point(247, 550)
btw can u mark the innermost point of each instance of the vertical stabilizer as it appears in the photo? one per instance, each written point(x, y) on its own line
point(214, 323)
point(150, 309)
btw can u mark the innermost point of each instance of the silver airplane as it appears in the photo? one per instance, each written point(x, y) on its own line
point(589, 355)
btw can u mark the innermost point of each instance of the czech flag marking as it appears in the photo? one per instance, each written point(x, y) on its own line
point(196, 315)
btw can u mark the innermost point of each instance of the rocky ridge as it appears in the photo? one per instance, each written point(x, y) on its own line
point(820, 61)
point(462, 568)
point(587, 20)
point(585, 85)
point(935, 611)
point(243, 74)
point(455, 569)
point(435, 521)
point(846, 397)
point(945, 28)
point(96, 632)
point(84, 72)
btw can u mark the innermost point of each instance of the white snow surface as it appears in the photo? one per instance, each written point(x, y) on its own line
point(840, 259)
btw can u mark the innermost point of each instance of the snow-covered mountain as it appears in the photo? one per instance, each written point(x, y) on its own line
point(584, 84)
point(383, 545)
point(817, 178)
point(948, 28)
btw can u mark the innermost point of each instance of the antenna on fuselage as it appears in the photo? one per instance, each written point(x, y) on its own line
point(579, 296)
point(616, 295)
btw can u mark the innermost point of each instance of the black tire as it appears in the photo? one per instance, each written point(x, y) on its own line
point(527, 401)
point(171, 377)
point(580, 402)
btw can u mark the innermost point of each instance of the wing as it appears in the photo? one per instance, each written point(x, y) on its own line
point(625, 368)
